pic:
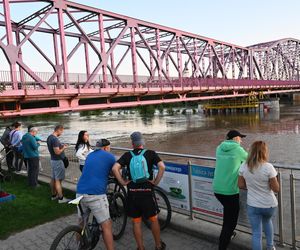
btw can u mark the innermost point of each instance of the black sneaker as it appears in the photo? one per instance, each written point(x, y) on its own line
point(162, 246)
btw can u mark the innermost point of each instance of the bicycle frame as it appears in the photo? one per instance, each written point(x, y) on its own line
point(88, 230)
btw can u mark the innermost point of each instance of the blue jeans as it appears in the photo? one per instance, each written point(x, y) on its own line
point(261, 217)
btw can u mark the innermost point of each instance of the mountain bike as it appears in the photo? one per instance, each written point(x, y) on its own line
point(163, 203)
point(164, 208)
point(4, 175)
point(87, 237)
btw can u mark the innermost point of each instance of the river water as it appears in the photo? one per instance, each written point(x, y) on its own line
point(195, 134)
point(190, 134)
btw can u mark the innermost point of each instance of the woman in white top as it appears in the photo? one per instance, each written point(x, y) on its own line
point(259, 178)
point(82, 148)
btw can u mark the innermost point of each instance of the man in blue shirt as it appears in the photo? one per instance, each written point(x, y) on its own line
point(57, 153)
point(92, 185)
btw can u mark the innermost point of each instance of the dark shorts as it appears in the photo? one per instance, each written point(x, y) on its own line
point(141, 206)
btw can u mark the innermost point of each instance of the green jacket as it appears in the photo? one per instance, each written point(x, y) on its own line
point(230, 155)
point(30, 146)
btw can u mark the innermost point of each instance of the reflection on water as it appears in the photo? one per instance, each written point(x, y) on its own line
point(192, 134)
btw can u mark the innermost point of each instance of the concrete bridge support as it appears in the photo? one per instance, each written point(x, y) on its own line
point(272, 104)
point(296, 98)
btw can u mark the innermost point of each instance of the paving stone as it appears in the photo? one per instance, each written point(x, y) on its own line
point(42, 236)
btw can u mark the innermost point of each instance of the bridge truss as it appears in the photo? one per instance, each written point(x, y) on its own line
point(125, 57)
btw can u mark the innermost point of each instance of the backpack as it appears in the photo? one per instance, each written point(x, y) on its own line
point(5, 140)
point(138, 167)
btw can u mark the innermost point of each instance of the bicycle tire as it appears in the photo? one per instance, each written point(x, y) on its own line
point(73, 228)
point(95, 233)
point(117, 187)
point(118, 215)
point(162, 203)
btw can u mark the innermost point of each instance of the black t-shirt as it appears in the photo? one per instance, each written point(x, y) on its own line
point(152, 159)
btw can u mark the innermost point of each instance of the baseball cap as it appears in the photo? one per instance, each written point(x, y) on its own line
point(137, 139)
point(234, 133)
point(102, 143)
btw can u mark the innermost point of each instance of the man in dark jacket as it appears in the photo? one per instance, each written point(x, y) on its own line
point(7, 145)
point(31, 154)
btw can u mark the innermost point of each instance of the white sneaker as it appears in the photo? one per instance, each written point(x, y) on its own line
point(63, 200)
point(17, 172)
point(53, 198)
point(23, 172)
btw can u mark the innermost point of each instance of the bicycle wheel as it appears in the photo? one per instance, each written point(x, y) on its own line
point(117, 209)
point(70, 238)
point(164, 207)
point(114, 186)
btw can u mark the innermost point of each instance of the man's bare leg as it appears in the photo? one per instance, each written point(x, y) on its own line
point(107, 235)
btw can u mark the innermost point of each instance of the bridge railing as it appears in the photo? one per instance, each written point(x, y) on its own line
point(192, 175)
point(78, 80)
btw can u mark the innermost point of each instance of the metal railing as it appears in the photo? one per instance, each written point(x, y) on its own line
point(78, 80)
point(288, 177)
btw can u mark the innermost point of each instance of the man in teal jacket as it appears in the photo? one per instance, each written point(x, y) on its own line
point(230, 155)
point(31, 154)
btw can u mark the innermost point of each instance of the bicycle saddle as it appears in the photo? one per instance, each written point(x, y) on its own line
point(76, 201)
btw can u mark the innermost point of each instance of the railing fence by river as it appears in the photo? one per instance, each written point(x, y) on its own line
point(188, 184)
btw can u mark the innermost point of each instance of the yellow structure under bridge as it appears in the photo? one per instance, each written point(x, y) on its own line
point(249, 103)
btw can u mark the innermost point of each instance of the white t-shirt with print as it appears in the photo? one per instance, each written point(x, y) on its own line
point(258, 184)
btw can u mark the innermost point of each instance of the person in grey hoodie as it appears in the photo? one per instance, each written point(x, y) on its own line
point(230, 155)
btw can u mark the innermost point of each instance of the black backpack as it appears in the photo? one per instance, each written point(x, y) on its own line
point(5, 140)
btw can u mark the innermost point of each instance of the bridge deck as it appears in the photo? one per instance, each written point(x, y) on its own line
point(77, 98)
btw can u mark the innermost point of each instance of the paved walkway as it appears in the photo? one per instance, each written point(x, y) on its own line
point(41, 237)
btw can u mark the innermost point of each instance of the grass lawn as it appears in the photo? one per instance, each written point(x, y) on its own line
point(30, 208)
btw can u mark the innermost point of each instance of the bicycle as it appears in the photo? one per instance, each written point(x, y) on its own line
point(164, 209)
point(115, 187)
point(4, 175)
point(87, 237)
point(163, 203)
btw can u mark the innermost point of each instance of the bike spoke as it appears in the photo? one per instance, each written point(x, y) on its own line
point(71, 241)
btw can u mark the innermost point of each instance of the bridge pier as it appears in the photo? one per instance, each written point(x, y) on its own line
point(296, 98)
point(272, 104)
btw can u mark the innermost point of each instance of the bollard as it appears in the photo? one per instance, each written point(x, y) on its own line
point(293, 211)
point(280, 212)
point(190, 190)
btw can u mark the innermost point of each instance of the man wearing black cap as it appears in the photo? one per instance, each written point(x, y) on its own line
point(140, 199)
point(92, 185)
point(230, 155)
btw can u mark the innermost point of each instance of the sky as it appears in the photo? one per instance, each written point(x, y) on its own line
point(239, 22)
point(236, 21)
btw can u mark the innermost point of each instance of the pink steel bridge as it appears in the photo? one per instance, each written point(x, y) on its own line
point(125, 62)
